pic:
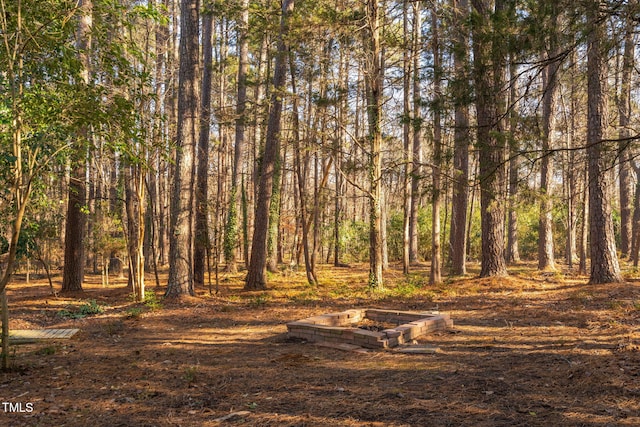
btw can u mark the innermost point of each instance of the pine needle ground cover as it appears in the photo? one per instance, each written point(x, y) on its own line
point(534, 349)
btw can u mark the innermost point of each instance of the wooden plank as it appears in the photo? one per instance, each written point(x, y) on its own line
point(32, 335)
point(68, 333)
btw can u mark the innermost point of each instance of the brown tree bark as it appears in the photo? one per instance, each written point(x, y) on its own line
point(461, 137)
point(604, 260)
point(338, 150)
point(624, 152)
point(134, 195)
point(435, 276)
point(231, 230)
point(513, 248)
point(488, 69)
point(584, 224)
point(406, 135)
point(171, 108)
point(180, 281)
point(546, 259)
point(76, 219)
point(571, 175)
point(373, 83)
point(202, 242)
point(155, 177)
point(301, 180)
point(273, 233)
point(256, 278)
point(416, 152)
point(635, 242)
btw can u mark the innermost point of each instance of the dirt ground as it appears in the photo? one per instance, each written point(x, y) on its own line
point(532, 349)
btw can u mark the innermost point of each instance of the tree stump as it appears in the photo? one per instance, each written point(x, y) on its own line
point(116, 266)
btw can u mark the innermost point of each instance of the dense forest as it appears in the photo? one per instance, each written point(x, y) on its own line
point(221, 135)
point(359, 213)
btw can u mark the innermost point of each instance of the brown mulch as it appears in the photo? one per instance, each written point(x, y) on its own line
point(531, 349)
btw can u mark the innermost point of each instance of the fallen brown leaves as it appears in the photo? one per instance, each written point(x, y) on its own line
point(530, 349)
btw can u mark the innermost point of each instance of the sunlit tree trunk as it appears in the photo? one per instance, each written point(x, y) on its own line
point(373, 79)
point(301, 180)
point(546, 259)
point(416, 152)
point(604, 260)
point(461, 137)
point(256, 276)
point(231, 230)
point(338, 150)
point(274, 214)
point(435, 276)
point(406, 135)
point(201, 243)
point(182, 193)
point(134, 196)
point(624, 151)
point(571, 175)
point(20, 179)
point(584, 224)
point(488, 69)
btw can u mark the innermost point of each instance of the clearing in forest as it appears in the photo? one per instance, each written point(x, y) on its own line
point(529, 349)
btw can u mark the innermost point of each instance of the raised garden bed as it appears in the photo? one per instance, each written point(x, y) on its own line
point(343, 327)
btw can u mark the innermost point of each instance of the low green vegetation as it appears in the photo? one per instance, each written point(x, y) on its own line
point(90, 308)
point(151, 301)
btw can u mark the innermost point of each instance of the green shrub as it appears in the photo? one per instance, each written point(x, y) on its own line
point(151, 301)
point(354, 241)
point(134, 312)
point(46, 351)
point(259, 300)
point(87, 309)
point(90, 308)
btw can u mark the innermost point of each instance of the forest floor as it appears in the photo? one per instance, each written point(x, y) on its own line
point(532, 349)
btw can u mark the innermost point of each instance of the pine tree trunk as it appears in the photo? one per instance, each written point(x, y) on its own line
point(571, 191)
point(546, 259)
point(416, 152)
point(604, 261)
point(488, 69)
point(182, 201)
point(406, 136)
point(624, 154)
point(435, 276)
point(301, 180)
point(571, 178)
point(260, 122)
point(461, 137)
point(513, 248)
point(74, 254)
point(373, 82)
point(584, 224)
point(274, 216)
point(338, 148)
point(171, 108)
point(256, 278)
point(231, 230)
point(635, 241)
point(201, 243)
